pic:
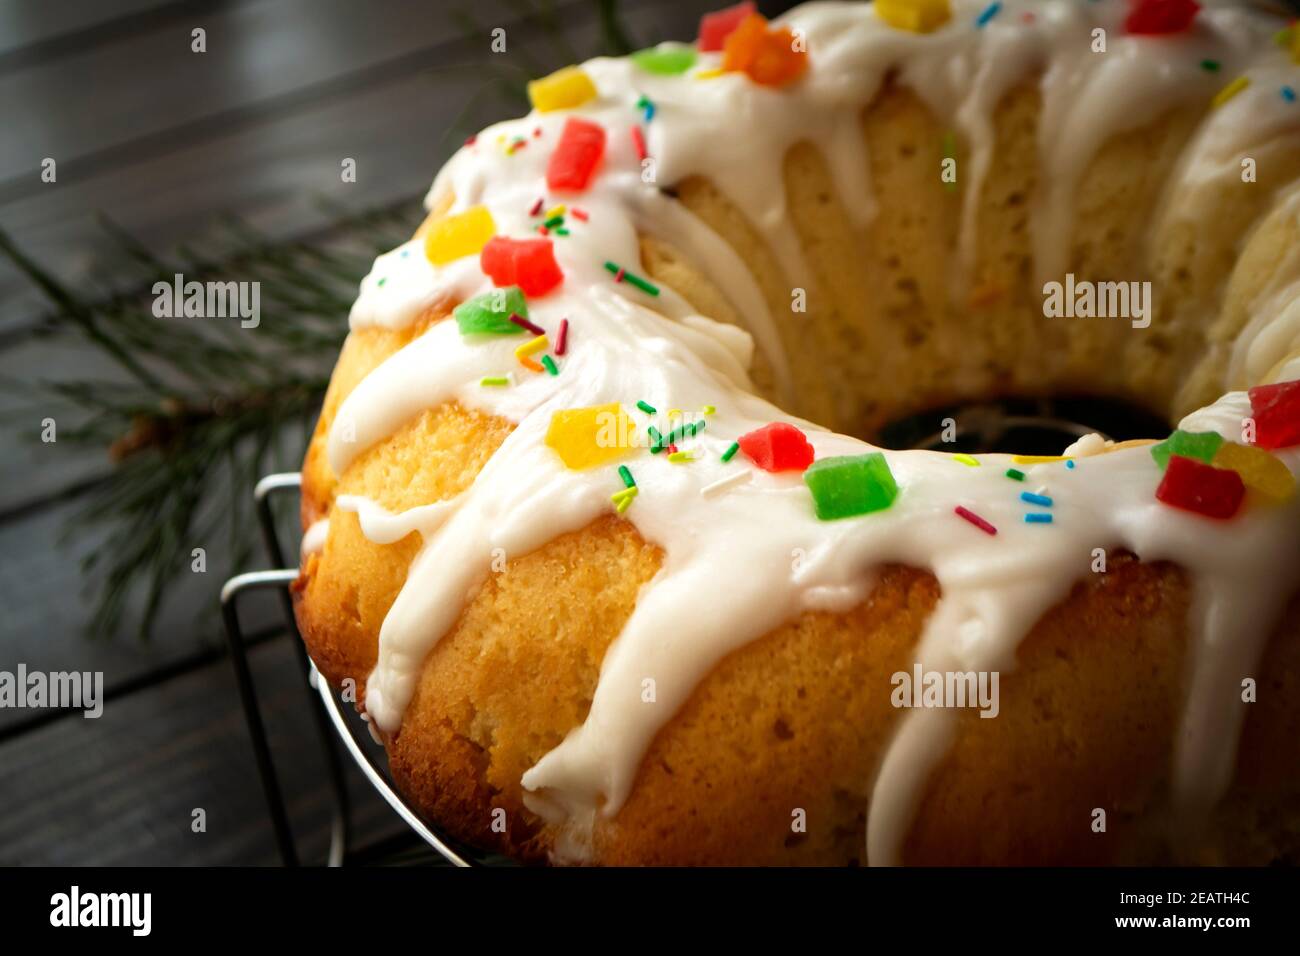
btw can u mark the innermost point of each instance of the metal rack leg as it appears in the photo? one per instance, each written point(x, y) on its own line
point(268, 486)
point(258, 580)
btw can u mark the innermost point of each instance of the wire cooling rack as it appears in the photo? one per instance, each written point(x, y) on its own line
point(335, 721)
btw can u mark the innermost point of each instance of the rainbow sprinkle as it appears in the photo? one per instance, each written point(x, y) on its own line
point(989, 12)
point(967, 460)
point(722, 484)
point(1038, 518)
point(731, 451)
point(1015, 474)
point(647, 408)
point(1229, 91)
point(1037, 459)
point(494, 380)
point(1033, 499)
point(623, 499)
point(974, 519)
point(626, 475)
point(549, 364)
point(537, 206)
point(622, 275)
point(656, 440)
point(638, 143)
point(681, 457)
point(562, 338)
point(523, 323)
point(1288, 94)
point(647, 107)
point(532, 347)
point(709, 409)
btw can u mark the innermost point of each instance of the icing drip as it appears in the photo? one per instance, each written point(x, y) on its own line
point(313, 539)
point(993, 587)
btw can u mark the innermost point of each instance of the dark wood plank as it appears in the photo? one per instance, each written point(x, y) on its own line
point(121, 790)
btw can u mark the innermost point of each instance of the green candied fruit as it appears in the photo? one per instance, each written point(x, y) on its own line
point(666, 59)
point(489, 313)
point(850, 485)
point(1199, 445)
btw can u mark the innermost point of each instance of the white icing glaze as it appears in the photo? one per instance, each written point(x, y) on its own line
point(313, 539)
point(764, 548)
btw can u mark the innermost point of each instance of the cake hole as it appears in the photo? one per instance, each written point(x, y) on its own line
point(1024, 426)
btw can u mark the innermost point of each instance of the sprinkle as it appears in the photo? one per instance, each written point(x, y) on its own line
point(523, 323)
point(975, 519)
point(530, 364)
point(989, 12)
point(1288, 94)
point(562, 338)
point(1034, 499)
point(537, 132)
point(722, 484)
point(628, 480)
point(549, 364)
point(709, 409)
point(1231, 90)
point(674, 412)
point(532, 347)
point(688, 430)
point(731, 451)
point(1069, 463)
point(494, 380)
point(621, 275)
point(1015, 474)
point(656, 440)
point(537, 206)
point(579, 214)
point(647, 408)
point(543, 230)
point(555, 211)
point(1210, 66)
point(709, 74)
point(647, 106)
point(638, 143)
point(966, 460)
point(553, 222)
point(672, 449)
point(1035, 517)
point(623, 499)
point(471, 140)
point(381, 282)
point(680, 457)
point(561, 231)
point(1037, 459)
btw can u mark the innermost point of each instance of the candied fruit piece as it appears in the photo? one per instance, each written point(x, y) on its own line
point(454, 237)
point(1276, 410)
point(777, 447)
point(527, 263)
point(717, 26)
point(666, 59)
point(1154, 17)
point(1199, 445)
point(562, 90)
point(576, 156)
point(850, 485)
point(1204, 489)
point(916, 16)
point(591, 436)
point(1259, 470)
point(489, 313)
point(768, 57)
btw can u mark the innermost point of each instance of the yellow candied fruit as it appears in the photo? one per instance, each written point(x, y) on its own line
point(562, 90)
point(587, 437)
point(455, 237)
point(916, 16)
point(1259, 470)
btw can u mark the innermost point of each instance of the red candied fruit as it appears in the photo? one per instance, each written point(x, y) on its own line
point(1276, 410)
point(716, 27)
point(777, 447)
point(1154, 17)
point(1204, 489)
point(527, 263)
point(766, 56)
point(576, 156)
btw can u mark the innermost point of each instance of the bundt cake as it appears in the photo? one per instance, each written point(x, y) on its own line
point(605, 599)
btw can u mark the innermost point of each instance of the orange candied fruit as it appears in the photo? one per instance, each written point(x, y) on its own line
point(770, 57)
